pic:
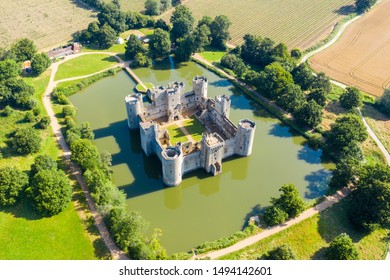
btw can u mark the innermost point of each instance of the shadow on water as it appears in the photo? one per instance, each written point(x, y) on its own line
point(309, 155)
point(318, 183)
point(255, 210)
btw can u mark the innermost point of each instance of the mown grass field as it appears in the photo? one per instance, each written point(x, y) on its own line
point(47, 23)
point(23, 233)
point(297, 23)
point(309, 238)
point(84, 65)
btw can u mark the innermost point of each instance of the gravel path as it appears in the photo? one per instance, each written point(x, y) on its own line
point(116, 253)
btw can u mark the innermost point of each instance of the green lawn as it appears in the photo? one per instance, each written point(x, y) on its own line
point(176, 134)
point(309, 238)
point(212, 54)
point(24, 234)
point(194, 127)
point(84, 65)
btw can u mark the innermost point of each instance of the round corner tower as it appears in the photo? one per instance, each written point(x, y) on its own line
point(199, 85)
point(133, 109)
point(245, 137)
point(172, 162)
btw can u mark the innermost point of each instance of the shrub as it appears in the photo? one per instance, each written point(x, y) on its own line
point(342, 248)
point(274, 216)
point(44, 122)
point(283, 252)
point(351, 98)
point(69, 111)
point(12, 183)
point(289, 201)
point(29, 117)
point(26, 141)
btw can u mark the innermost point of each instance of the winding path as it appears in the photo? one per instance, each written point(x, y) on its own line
point(329, 201)
point(116, 253)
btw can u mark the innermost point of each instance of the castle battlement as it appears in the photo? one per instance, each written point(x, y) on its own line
point(170, 106)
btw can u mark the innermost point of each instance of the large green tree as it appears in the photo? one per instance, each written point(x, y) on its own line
point(26, 141)
point(384, 102)
point(289, 201)
point(219, 29)
point(51, 191)
point(159, 45)
point(40, 63)
point(351, 98)
point(345, 130)
point(273, 80)
point(370, 202)
point(23, 50)
point(42, 162)
point(152, 7)
point(107, 36)
point(12, 183)
point(292, 98)
point(310, 113)
point(84, 153)
point(318, 95)
point(342, 248)
point(185, 49)
point(274, 216)
point(8, 69)
point(182, 23)
point(364, 5)
point(134, 46)
point(303, 76)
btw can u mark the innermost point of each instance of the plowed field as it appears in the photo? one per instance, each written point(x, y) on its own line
point(361, 57)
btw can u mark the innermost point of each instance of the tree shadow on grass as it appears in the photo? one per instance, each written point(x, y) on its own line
point(345, 10)
point(22, 209)
point(371, 112)
point(320, 254)
point(334, 221)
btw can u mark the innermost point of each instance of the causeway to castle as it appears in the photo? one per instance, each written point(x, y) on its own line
point(163, 105)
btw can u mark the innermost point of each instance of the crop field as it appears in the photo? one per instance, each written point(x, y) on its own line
point(361, 57)
point(133, 5)
point(47, 23)
point(297, 23)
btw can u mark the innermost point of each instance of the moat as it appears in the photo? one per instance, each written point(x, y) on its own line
point(203, 207)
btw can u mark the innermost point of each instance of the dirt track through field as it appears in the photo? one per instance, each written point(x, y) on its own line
point(361, 57)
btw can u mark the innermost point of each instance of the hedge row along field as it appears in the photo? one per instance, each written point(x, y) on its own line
point(133, 5)
point(47, 23)
point(297, 23)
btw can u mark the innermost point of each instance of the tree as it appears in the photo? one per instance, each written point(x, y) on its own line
point(182, 23)
point(351, 98)
point(165, 5)
point(84, 153)
point(201, 36)
point(185, 49)
point(107, 36)
point(274, 216)
point(8, 69)
point(364, 5)
point(342, 248)
point(283, 252)
point(273, 80)
point(289, 201)
point(152, 7)
point(234, 63)
point(141, 60)
point(296, 53)
point(219, 29)
point(322, 81)
point(69, 110)
point(280, 52)
point(5, 94)
point(370, 202)
point(25, 141)
point(383, 102)
point(44, 122)
point(134, 46)
point(318, 95)
point(51, 191)
point(12, 183)
point(160, 45)
point(42, 162)
point(40, 63)
point(112, 16)
point(346, 129)
point(346, 173)
point(162, 25)
point(21, 92)
point(291, 98)
point(176, 3)
point(302, 76)
point(23, 50)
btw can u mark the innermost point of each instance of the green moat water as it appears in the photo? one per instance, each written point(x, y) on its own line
point(203, 207)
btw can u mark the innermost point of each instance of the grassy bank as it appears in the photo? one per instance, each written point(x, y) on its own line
point(85, 65)
point(25, 234)
point(311, 237)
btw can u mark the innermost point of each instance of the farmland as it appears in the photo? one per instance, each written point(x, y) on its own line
point(362, 55)
point(133, 5)
point(304, 22)
point(47, 23)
